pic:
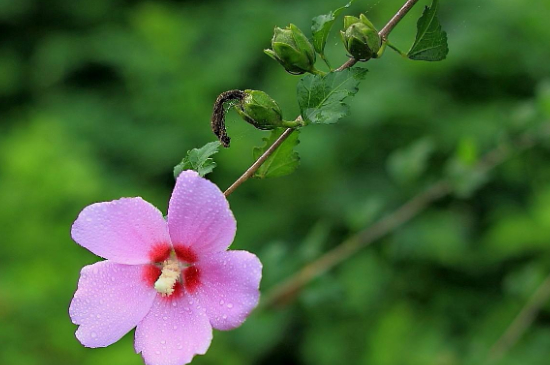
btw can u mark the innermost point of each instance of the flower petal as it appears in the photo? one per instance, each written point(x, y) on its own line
point(127, 231)
point(199, 216)
point(175, 330)
point(229, 287)
point(111, 299)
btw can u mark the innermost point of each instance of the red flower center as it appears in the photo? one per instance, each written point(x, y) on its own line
point(172, 270)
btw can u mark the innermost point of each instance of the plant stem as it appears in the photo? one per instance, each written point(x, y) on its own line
point(256, 165)
point(402, 54)
point(252, 169)
point(324, 58)
point(318, 72)
point(396, 19)
point(286, 291)
point(349, 63)
point(521, 323)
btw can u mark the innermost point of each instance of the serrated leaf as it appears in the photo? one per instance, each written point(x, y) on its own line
point(283, 161)
point(321, 98)
point(199, 160)
point(431, 41)
point(321, 25)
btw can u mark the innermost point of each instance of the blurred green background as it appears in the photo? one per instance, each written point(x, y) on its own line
point(100, 99)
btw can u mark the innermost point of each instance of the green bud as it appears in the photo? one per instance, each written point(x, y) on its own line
point(260, 110)
point(292, 49)
point(360, 38)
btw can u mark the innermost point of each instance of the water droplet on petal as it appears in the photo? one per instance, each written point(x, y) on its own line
point(221, 302)
point(157, 352)
point(163, 342)
point(93, 334)
point(229, 305)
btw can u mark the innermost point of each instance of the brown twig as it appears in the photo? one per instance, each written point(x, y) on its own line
point(252, 169)
point(349, 63)
point(396, 19)
point(287, 290)
point(521, 323)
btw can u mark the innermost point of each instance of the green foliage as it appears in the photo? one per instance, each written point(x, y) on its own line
point(463, 171)
point(199, 160)
point(321, 26)
point(321, 98)
point(431, 41)
point(409, 163)
point(283, 161)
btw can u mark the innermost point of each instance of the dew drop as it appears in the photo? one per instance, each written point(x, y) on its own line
point(93, 334)
point(98, 316)
point(165, 318)
point(224, 316)
point(157, 352)
point(163, 342)
point(174, 304)
point(221, 302)
point(229, 305)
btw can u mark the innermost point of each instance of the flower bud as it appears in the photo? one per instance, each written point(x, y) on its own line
point(360, 38)
point(260, 110)
point(292, 49)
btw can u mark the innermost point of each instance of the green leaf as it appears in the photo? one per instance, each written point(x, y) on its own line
point(321, 26)
point(431, 40)
point(283, 161)
point(199, 160)
point(321, 98)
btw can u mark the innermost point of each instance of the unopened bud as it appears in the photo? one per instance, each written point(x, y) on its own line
point(292, 49)
point(360, 38)
point(260, 110)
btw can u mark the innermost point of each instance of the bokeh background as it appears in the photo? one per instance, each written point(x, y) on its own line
point(100, 99)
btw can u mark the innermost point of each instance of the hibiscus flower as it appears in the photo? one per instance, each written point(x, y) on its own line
point(174, 279)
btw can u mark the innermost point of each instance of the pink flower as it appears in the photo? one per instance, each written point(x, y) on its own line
point(172, 279)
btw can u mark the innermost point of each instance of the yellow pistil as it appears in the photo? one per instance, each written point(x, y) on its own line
point(170, 275)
